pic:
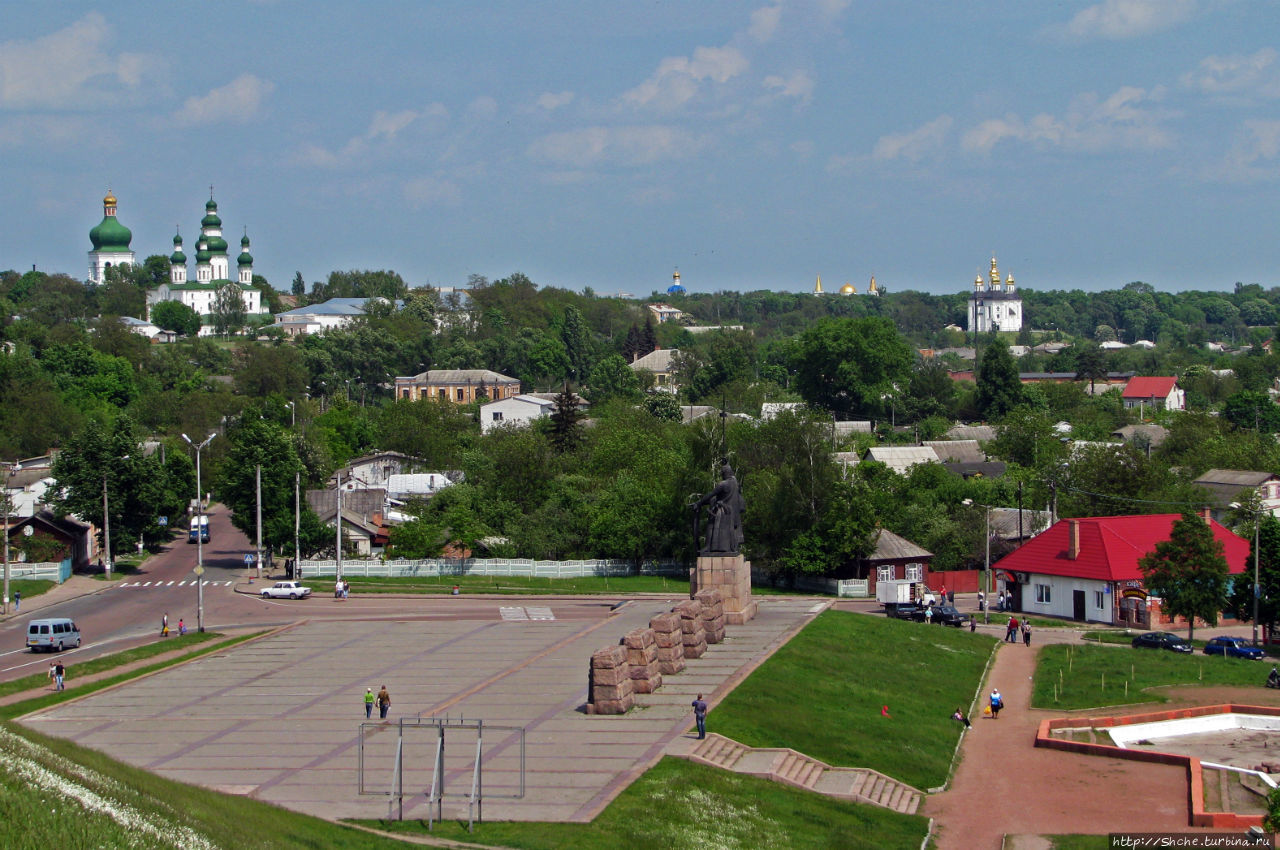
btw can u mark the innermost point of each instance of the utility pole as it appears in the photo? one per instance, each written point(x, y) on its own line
point(297, 523)
point(9, 469)
point(200, 526)
point(338, 525)
point(257, 471)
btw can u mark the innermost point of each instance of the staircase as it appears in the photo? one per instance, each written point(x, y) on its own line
point(789, 767)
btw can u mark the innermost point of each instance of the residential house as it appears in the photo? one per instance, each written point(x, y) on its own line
point(1087, 569)
point(47, 538)
point(663, 313)
point(894, 558)
point(661, 363)
point(900, 458)
point(981, 433)
point(1236, 486)
point(363, 513)
point(334, 313)
point(461, 386)
point(1155, 392)
point(1147, 436)
point(372, 472)
point(520, 410)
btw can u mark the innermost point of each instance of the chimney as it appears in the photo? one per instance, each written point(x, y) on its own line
point(1073, 545)
point(1206, 514)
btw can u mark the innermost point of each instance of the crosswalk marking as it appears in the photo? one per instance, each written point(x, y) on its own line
point(526, 613)
point(158, 584)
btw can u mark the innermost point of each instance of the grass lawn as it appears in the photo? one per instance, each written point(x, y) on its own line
point(111, 662)
point(29, 587)
point(1094, 676)
point(107, 662)
point(521, 585)
point(678, 805)
point(822, 695)
point(1080, 842)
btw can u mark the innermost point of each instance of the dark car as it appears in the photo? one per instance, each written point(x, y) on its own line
point(1235, 647)
point(1162, 640)
point(943, 615)
point(905, 612)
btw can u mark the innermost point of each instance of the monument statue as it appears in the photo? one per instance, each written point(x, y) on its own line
point(724, 516)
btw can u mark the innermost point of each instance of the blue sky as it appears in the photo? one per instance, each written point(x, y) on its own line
point(604, 144)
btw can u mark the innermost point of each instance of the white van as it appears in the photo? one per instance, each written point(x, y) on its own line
point(202, 523)
point(53, 635)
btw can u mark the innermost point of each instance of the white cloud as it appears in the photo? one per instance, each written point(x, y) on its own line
point(431, 191)
point(797, 84)
point(48, 130)
point(237, 101)
point(1118, 19)
point(1237, 74)
point(678, 78)
point(764, 23)
point(482, 108)
point(550, 101)
point(914, 145)
point(1126, 121)
point(68, 68)
point(635, 145)
point(387, 124)
point(316, 156)
point(1253, 154)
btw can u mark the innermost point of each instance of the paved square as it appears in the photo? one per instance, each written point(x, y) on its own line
point(278, 718)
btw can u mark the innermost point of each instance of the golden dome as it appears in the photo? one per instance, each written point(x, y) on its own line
point(995, 272)
point(109, 200)
point(872, 287)
point(1009, 280)
point(848, 289)
point(817, 287)
point(977, 282)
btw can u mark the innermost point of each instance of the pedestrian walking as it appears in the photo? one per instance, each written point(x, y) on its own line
point(973, 624)
point(982, 601)
point(1011, 631)
point(928, 614)
point(17, 601)
point(337, 589)
point(1026, 632)
point(368, 703)
point(182, 627)
point(384, 702)
point(59, 674)
point(346, 590)
point(700, 715)
point(51, 666)
point(997, 703)
point(959, 715)
point(164, 625)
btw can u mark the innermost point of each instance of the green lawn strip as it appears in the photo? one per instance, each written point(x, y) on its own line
point(1080, 842)
point(1036, 622)
point(29, 587)
point(105, 662)
point(822, 694)
point(157, 812)
point(18, 709)
point(522, 585)
point(678, 805)
point(1095, 676)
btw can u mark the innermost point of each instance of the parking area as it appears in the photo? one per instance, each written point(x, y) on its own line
point(278, 718)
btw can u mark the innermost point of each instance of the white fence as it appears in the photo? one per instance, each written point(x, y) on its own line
point(58, 572)
point(446, 567)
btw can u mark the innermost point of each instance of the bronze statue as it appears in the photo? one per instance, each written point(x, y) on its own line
point(724, 510)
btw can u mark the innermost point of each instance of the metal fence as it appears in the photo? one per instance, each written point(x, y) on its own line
point(450, 567)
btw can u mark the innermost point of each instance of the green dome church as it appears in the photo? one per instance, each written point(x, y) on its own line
point(110, 240)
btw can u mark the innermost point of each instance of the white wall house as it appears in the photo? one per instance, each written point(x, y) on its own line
point(517, 410)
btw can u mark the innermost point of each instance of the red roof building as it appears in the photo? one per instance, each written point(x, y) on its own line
point(1156, 392)
point(1087, 569)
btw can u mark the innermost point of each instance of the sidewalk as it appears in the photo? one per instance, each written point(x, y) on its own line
point(73, 588)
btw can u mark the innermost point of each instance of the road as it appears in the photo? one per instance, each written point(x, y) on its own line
point(126, 612)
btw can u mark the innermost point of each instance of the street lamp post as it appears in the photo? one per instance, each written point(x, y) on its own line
point(199, 530)
point(293, 414)
point(106, 525)
point(9, 469)
point(986, 605)
point(1257, 587)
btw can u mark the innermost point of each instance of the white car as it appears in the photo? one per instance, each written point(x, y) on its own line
point(286, 590)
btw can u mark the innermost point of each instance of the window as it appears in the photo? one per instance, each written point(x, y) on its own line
point(915, 572)
point(1097, 599)
point(404, 393)
point(461, 396)
point(884, 573)
point(497, 416)
point(1042, 594)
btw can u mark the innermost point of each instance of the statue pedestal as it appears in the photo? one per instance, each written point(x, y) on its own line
point(731, 575)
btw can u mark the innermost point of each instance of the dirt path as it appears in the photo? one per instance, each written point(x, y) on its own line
point(1005, 786)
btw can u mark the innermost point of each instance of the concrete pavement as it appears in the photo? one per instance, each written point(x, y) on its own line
point(278, 718)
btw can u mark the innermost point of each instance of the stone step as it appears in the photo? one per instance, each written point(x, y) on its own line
point(808, 773)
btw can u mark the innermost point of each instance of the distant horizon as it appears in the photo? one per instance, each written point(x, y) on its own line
point(1088, 143)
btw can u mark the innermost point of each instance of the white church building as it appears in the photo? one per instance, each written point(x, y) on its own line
point(994, 307)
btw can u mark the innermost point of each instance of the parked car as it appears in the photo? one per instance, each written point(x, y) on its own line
point(904, 612)
point(286, 590)
point(1162, 640)
point(1234, 647)
point(945, 615)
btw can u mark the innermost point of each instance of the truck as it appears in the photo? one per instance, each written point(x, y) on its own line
point(897, 594)
point(199, 529)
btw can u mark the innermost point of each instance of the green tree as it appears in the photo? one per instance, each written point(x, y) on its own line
point(1252, 410)
point(1090, 363)
point(261, 442)
point(177, 317)
point(1188, 572)
point(299, 287)
point(847, 366)
point(229, 311)
point(662, 405)
point(612, 378)
point(1268, 555)
point(566, 416)
point(999, 388)
point(577, 343)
